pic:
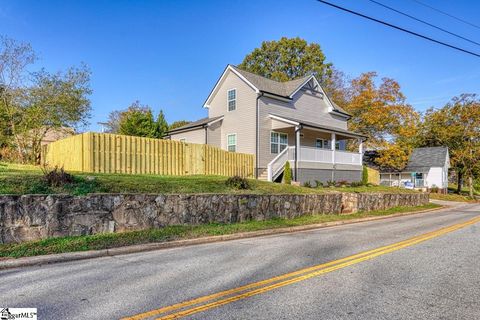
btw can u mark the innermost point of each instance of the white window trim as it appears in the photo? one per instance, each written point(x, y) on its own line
point(328, 141)
point(270, 137)
point(236, 142)
point(228, 100)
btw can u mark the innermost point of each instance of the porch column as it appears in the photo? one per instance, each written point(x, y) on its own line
point(332, 147)
point(297, 150)
point(360, 146)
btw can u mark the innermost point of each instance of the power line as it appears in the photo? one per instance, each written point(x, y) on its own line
point(424, 22)
point(401, 29)
point(447, 14)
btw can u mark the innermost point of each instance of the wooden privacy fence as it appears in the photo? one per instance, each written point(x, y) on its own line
point(111, 153)
point(373, 176)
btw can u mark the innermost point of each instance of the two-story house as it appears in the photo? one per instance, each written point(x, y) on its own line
point(291, 121)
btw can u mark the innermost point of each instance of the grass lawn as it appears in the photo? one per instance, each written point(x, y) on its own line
point(112, 240)
point(25, 179)
point(451, 197)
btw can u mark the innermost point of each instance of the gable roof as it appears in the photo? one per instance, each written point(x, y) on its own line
point(425, 158)
point(195, 124)
point(281, 89)
point(420, 160)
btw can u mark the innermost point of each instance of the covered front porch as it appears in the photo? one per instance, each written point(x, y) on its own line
point(310, 146)
point(411, 180)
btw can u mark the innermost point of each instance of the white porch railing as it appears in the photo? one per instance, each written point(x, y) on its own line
point(316, 155)
point(309, 154)
point(277, 163)
point(345, 157)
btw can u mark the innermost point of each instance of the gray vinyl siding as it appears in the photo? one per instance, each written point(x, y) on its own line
point(313, 175)
point(215, 134)
point(306, 106)
point(193, 136)
point(240, 121)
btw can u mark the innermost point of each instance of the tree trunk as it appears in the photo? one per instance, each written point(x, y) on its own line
point(459, 182)
point(470, 186)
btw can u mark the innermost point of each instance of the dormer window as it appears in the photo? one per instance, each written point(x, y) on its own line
point(232, 99)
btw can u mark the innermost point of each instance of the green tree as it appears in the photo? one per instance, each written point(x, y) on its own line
point(365, 175)
point(31, 104)
point(287, 173)
point(293, 58)
point(161, 125)
point(178, 124)
point(15, 59)
point(138, 121)
point(287, 59)
point(53, 102)
point(456, 125)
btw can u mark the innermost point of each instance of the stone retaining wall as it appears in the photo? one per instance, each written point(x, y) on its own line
point(33, 217)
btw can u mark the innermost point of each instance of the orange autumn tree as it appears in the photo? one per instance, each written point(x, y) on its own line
point(380, 112)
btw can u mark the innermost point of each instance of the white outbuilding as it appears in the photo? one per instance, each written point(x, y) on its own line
point(427, 168)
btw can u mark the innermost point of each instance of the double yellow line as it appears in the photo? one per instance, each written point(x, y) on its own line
point(214, 300)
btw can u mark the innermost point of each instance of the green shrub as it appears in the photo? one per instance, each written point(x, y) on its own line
point(357, 184)
point(287, 173)
point(307, 184)
point(331, 183)
point(38, 187)
point(318, 183)
point(237, 182)
point(365, 175)
point(57, 177)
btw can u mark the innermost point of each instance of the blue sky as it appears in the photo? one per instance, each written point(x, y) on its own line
point(169, 54)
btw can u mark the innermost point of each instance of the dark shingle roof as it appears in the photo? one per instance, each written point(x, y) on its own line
point(338, 108)
point(422, 159)
point(283, 89)
point(195, 124)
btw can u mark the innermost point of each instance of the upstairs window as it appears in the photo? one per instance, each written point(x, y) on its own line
point(232, 142)
point(232, 99)
point(278, 142)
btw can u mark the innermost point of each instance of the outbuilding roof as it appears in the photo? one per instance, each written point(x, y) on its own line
point(195, 124)
point(422, 159)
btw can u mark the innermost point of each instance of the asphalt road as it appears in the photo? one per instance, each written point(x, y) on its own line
point(436, 278)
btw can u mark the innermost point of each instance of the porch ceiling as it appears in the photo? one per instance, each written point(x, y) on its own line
point(280, 122)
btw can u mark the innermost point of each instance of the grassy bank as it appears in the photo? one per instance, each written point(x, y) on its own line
point(112, 240)
point(451, 197)
point(24, 179)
